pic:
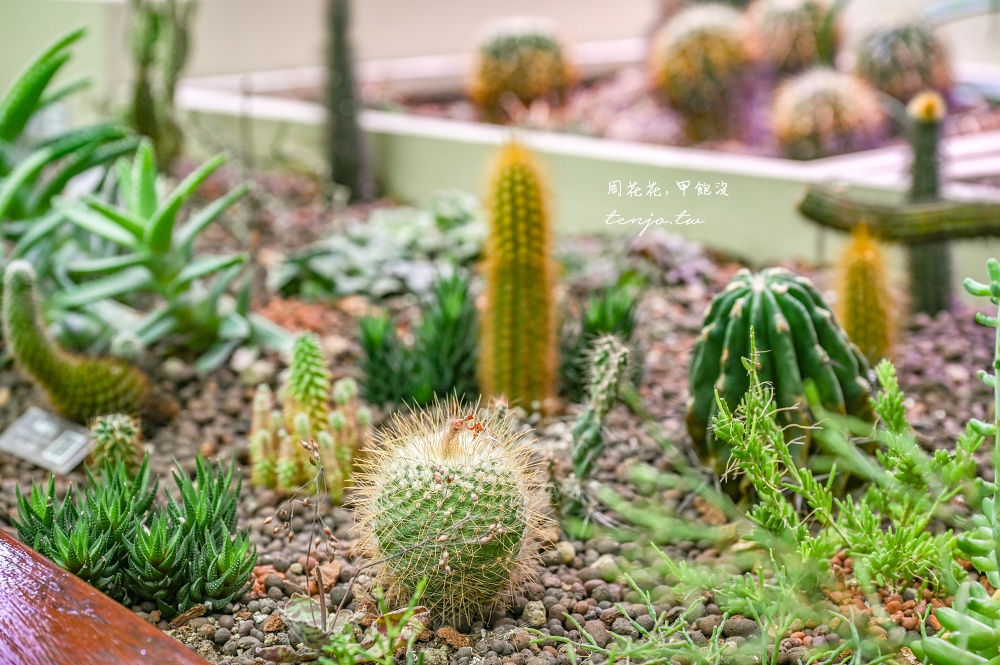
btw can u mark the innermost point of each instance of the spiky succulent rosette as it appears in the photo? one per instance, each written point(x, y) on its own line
point(451, 494)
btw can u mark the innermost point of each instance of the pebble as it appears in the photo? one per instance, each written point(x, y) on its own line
point(534, 614)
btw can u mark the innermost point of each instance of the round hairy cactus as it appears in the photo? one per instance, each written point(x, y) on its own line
point(903, 60)
point(116, 437)
point(451, 494)
point(822, 112)
point(792, 35)
point(521, 57)
point(696, 60)
point(797, 338)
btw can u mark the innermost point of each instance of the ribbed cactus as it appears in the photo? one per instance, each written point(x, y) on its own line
point(520, 57)
point(864, 303)
point(797, 337)
point(696, 60)
point(822, 112)
point(116, 436)
point(608, 366)
point(903, 60)
point(451, 495)
point(929, 262)
point(518, 345)
point(79, 388)
point(276, 453)
point(792, 35)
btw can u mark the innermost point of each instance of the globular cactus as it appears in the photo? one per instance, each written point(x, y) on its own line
point(797, 338)
point(277, 454)
point(454, 496)
point(822, 112)
point(903, 60)
point(929, 263)
point(608, 366)
point(696, 59)
point(80, 388)
point(116, 437)
point(792, 35)
point(519, 57)
point(518, 353)
point(864, 303)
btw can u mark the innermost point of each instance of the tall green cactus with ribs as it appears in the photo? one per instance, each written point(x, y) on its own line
point(798, 338)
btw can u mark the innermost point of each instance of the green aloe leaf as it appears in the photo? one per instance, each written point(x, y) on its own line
point(159, 235)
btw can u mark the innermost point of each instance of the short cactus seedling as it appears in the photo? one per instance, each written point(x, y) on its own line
point(863, 300)
point(79, 387)
point(116, 437)
point(608, 367)
point(276, 452)
point(456, 499)
point(904, 59)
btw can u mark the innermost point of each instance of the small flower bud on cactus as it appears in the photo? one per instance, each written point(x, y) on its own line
point(454, 498)
point(116, 437)
point(904, 59)
point(80, 388)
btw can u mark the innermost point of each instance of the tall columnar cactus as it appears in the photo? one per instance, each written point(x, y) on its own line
point(792, 35)
point(822, 112)
point(116, 436)
point(929, 262)
point(79, 388)
point(520, 57)
point(608, 366)
point(904, 59)
point(864, 303)
point(798, 338)
point(696, 60)
point(277, 455)
point(451, 495)
point(519, 347)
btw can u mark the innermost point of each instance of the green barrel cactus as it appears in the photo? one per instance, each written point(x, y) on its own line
point(451, 494)
point(904, 59)
point(797, 338)
point(864, 303)
point(822, 112)
point(80, 388)
point(520, 57)
point(792, 35)
point(696, 59)
point(519, 345)
point(116, 436)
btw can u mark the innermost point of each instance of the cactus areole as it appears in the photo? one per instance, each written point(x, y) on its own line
point(797, 339)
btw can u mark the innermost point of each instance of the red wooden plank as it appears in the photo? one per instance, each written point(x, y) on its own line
point(50, 617)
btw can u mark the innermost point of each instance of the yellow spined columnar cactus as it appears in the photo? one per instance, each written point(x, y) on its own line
point(863, 298)
point(518, 357)
point(522, 57)
point(696, 60)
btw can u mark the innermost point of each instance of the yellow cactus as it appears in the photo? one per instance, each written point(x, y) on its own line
point(518, 358)
point(863, 297)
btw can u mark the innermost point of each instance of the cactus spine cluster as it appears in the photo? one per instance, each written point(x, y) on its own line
point(903, 60)
point(116, 437)
point(863, 297)
point(798, 338)
point(792, 35)
point(522, 58)
point(696, 59)
point(822, 112)
point(80, 388)
point(518, 354)
point(451, 495)
point(277, 455)
point(929, 263)
point(609, 365)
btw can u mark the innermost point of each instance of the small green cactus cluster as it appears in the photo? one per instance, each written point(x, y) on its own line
point(116, 436)
point(519, 352)
point(277, 454)
point(111, 536)
point(451, 495)
point(798, 339)
point(696, 59)
point(822, 112)
point(903, 60)
point(608, 367)
point(80, 388)
point(864, 303)
point(610, 312)
point(519, 57)
point(792, 35)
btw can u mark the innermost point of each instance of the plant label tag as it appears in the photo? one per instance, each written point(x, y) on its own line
point(46, 440)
